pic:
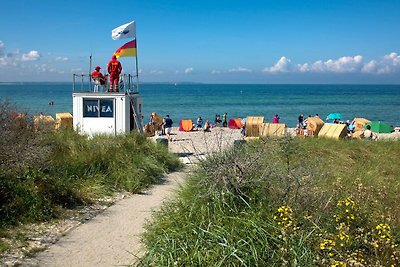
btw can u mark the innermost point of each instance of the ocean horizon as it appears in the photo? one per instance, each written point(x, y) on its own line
point(377, 102)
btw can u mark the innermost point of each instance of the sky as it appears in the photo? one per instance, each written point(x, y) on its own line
point(218, 41)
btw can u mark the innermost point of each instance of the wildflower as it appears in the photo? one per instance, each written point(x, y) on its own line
point(336, 263)
point(327, 244)
point(284, 217)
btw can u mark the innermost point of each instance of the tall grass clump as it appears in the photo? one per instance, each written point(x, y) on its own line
point(284, 202)
point(43, 171)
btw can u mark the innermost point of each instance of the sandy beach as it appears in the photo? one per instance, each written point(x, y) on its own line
point(196, 145)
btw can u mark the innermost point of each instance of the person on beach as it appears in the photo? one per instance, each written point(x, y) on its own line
point(300, 121)
point(217, 120)
point(368, 134)
point(167, 125)
point(224, 122)
point(98, 78)
point(199, 123)
point(114, 68)
point(207, 126)
point(275, 119)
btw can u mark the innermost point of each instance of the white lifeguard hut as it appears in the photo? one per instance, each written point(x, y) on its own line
point(97, 111)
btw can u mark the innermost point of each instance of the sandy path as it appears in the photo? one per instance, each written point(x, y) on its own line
point(113, 237)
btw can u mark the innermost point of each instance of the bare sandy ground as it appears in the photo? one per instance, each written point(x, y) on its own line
point(196, 145)
point(112, 238)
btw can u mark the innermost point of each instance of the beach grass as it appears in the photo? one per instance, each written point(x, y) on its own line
point(44, 172)
point(284, 202)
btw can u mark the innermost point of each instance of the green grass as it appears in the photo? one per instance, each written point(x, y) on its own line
point(281, 203)
point(43, 172)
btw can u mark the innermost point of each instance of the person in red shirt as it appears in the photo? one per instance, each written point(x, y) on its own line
point(98, 78)
point(275, 119)
point(114, 68)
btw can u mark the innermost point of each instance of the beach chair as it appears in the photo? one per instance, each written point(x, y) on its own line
point(43, 122)
point(272, 129)
point(314, 125)
point(64, 120)
point(253, 126)
point(333, 131)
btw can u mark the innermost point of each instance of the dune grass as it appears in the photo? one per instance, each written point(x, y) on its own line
point(286, 202)
point(43, 172)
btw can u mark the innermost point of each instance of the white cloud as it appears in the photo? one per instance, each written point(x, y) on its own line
point(41, 68)
point(156, 72)
point(61, 58)
point(189, 70)
point(283, 65)
point(2, 48)
point(76, 70)
point(31, 56)
point(240, 69)
point(215, 72)
point(370, 67)
point(388, 64)
point(341, 65)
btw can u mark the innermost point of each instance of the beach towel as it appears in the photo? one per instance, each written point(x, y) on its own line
point(185, 125)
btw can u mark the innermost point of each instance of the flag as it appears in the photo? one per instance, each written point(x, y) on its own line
point(127, 50)
point(127, 30)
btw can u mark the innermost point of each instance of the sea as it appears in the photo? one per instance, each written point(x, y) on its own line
point(190, 100)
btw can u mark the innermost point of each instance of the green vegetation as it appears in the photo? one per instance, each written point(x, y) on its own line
point(285, 202)
point(43, 172)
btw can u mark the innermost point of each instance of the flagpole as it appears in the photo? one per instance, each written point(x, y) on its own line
point(90, 71)
point(137, 66)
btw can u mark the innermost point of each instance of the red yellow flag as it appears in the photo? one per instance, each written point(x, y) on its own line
point(127, 50)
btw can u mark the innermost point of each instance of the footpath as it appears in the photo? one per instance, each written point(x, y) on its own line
point(112, 238)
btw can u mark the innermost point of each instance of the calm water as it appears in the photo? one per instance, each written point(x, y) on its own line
point(187, 101)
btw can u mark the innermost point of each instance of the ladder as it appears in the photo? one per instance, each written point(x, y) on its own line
point(138, 123)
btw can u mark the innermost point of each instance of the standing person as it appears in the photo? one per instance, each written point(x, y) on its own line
point(224, 123)
point(217, 120)
point(98, 78)
point(300, 121)
point(114, 68)
point(167, 124)
point(275, 119)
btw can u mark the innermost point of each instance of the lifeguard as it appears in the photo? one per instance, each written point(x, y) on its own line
point(114, 68)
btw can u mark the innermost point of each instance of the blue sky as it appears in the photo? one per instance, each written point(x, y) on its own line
point(206, 41)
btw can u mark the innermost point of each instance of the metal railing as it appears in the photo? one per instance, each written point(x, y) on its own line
point(83, 83)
